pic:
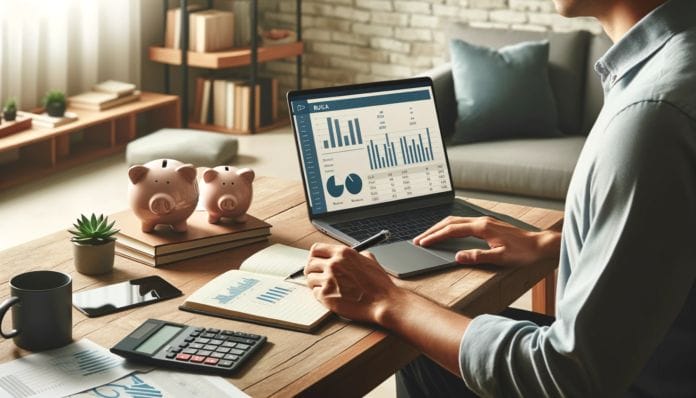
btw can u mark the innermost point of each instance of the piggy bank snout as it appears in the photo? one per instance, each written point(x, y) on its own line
point(161, 204)
point(227, 203)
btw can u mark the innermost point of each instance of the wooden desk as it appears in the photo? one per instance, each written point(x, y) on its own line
point(341, 358)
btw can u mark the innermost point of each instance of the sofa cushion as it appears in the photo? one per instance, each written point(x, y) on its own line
point(567, 61)
point(532, 167)
point(502, 93)
point(201, 148)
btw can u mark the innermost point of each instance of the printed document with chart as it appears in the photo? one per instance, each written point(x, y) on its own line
point(258, 292)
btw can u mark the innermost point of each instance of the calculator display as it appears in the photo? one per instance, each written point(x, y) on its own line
point(157, 340)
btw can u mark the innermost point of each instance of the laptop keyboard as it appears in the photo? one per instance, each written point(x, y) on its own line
point(403, 225)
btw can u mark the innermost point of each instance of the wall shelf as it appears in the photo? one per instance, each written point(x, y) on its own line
point(225, 59)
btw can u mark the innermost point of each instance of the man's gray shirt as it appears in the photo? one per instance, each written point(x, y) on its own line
point(626, 303)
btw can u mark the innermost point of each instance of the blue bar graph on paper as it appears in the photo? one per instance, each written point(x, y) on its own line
point(274, 295)
point(234, 291)
point(336, 140)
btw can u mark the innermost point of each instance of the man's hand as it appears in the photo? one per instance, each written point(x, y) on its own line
point(509, 245)
point(349, 283)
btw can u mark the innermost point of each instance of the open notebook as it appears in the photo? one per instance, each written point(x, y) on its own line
point(258, 292)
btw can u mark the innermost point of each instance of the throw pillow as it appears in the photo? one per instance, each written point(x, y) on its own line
point(502, 93)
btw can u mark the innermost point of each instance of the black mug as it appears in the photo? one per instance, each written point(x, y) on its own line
point(42, 313)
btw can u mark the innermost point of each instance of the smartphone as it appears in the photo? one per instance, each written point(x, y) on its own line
point(123, 295)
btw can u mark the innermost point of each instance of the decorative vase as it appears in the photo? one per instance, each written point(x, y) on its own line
point(94, 259)
point(10, 115)
point(55, 109)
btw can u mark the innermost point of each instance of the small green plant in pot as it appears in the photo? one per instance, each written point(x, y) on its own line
point(9, 112)
point(55, 103)
point(93, 244)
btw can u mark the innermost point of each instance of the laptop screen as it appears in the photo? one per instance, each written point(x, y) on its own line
point(369, 145)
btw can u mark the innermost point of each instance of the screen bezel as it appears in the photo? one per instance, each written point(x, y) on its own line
point(164, 289)
point(381, 85)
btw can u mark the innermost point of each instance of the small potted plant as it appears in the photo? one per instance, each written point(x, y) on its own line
point(93, 244)
point(9, 112)
point(55, 103)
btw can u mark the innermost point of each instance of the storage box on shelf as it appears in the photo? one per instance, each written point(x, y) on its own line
point(36, 152)
point(178, 55)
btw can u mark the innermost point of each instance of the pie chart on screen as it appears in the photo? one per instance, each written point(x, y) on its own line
point(353, 183)
point(333, 189)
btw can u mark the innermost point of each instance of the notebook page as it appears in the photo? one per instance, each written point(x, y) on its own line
point(278, 260)
point(260, 297)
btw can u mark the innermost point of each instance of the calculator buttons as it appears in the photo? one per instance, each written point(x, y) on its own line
point(216, 342)
point(231, 357)
point(236, 351)
point(197, 346)
point(243, 346)
point(183, 345)
point(197, 358)
point(202, 340)
point(175, 350)
point(209, 335)
point(218, 355)
point(211, 361)
point(229, 344)
point(241, 340)
point(171, 355)
point(216, 331)
point(183, 357)
point(223, 349)
point(225, 363)
point(190, 351)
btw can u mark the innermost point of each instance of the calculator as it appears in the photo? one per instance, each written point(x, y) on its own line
point(188, 348)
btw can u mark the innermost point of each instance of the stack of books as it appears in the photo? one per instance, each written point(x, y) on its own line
point(105, 95)
point(209, 30)
point(44, 121)
point(226, 102)
point(165, 246)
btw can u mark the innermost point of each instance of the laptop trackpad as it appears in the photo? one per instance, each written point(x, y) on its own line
point(448, 249)
point(403, 259)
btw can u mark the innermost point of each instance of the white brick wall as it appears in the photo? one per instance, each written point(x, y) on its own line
point(352, 41)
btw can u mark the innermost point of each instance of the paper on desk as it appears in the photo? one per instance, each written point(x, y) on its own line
point(161, 383)
point(67, 370)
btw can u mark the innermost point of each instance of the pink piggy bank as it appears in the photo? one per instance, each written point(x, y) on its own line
point(227, 193)
point(163, 191)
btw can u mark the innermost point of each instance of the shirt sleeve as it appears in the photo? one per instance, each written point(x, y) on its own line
point(629, 282)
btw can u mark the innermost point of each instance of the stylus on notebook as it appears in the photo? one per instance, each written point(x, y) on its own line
point(375, 239)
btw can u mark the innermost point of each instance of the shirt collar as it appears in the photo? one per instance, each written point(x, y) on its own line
point(644, 39)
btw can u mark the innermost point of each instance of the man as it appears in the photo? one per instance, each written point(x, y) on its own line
point(626, 304)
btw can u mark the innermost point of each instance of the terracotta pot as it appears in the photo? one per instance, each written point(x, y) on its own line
point(94, 259)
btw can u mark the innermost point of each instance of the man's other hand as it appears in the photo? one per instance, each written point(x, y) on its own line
point(509, 245)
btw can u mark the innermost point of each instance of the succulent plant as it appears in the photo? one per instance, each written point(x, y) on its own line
point(93, 230)
point(10, 105)
point(55, 103)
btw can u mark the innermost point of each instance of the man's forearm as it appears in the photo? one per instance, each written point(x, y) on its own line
point(429, 327)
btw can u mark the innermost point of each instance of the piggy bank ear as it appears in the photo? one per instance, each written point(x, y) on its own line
point(187, 171)
point(210, 175)
point(247, 174)
point(136, 173)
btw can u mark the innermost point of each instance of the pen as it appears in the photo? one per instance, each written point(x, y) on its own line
point(375, 239)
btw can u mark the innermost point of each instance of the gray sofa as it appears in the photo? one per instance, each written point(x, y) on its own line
point(528, 171)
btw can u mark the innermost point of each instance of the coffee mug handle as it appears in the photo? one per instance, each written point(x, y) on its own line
point(3, 309)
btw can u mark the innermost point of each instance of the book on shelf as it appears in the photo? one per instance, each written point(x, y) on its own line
point(121, 89)
point(258, 292)
point(155, 261)
point(172, 31)
point(199, 233)
point(100, 101)
point(228, 100)
point(43, 120)
point(211, 30)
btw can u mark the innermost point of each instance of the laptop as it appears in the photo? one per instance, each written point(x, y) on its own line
point(372, 158)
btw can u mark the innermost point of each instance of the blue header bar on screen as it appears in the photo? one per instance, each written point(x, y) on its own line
point(300, 107)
